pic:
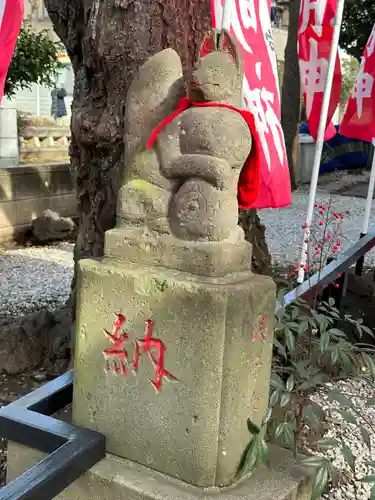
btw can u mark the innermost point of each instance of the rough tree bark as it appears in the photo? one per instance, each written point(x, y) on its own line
point(107, 42)
point(291, 91)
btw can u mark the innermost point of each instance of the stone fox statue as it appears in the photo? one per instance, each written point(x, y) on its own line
point(184, 154)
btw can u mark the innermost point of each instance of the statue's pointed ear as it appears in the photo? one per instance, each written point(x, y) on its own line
point(209, 44)
point(227, 44)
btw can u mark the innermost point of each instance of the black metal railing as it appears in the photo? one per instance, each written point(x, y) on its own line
point(331, 272)
point(71, 450)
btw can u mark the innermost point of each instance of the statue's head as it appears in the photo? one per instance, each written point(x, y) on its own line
point(218, 74)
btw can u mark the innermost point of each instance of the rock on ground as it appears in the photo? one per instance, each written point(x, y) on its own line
point(50, 226)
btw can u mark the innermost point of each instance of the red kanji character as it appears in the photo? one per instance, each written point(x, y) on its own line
point(146, 345)
point(118, 338)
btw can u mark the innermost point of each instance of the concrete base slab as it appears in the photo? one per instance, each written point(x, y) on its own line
point(117, 479)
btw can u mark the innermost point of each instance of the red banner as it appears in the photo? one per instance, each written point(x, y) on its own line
point(11, 16)
point(359, 118)
point(251, 28)
point(315, 33)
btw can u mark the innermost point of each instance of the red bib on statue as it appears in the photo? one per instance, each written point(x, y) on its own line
point(248, 184)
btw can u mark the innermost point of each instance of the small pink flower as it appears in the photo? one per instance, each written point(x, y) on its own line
point(321, 211)
point(329, 236)
point(338, 243)
point(305, 268)
point(317, 252)
point(334, 250)
point(316, 205)
point(294, 266)
point(321, 223)
point(338, 276)
point(337, 285)
point(306, 252)
point(304, 226)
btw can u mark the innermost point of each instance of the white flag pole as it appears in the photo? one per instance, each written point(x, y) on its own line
point(321, 134)
point(366, 217)
point(227, 14)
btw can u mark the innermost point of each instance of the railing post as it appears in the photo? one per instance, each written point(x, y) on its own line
point(360, 262)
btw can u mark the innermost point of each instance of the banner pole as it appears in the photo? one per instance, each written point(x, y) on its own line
point(320, 135)
point(366, 217)
point(227, 14)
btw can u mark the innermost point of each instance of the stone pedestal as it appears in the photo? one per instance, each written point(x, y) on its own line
point(195, 428)
point(117, 479)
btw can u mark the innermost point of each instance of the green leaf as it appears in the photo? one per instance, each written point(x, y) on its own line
point(336, 395)
point(320, 481)
point(290, 383)
point(367, 330)
point(372, 493)
point(285, 432)
point(280, 348)
point(369, 362)
point(327, 443)
point(331, 301)
point(349, 417)
point(267, 416)
point(347, 363)
point(252, 455)
point(290, 341)
point(275, 396)
point(335, 355)
point(348, 456)
point(253, 428)
point(263, 452)
point(368, 479)
point(324, 342)
point(276, 381)
point(314, 461)
point(314, 415)
point(285, 399)
point(366, 437)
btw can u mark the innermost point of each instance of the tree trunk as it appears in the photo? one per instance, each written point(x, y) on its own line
point(255, 234)
point(291, 91)
point(107, 42)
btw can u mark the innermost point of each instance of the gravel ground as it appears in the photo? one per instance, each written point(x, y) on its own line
point(283, 226)
point(349, 434)
point(34, 278)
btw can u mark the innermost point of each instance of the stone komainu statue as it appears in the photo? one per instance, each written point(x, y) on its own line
point(184, 154)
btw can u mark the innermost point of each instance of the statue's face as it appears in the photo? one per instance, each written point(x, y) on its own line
point(216, 78)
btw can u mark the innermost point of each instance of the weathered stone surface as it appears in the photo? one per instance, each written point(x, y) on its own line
point(196, 429)
point(117, 479)
point(186, 185)
point(50, 227)
point(201, 258)
point(38, 339)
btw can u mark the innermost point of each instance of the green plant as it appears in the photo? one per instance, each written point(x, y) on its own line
point(311, 351)
point(358, 20)
point(35, 60)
